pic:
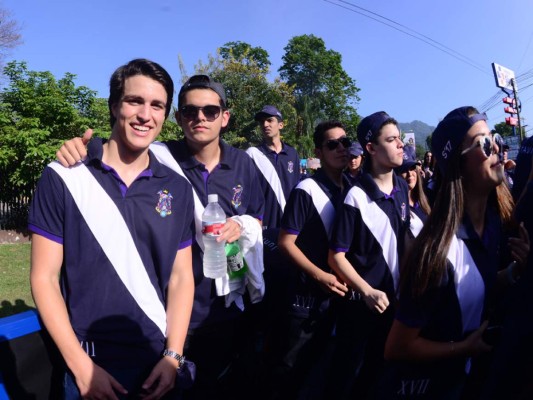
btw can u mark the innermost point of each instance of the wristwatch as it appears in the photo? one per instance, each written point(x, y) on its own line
point(173, 354)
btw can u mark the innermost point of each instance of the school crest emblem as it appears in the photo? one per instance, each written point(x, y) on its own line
point(237, 194)
point(164, 204)
point(290, 167)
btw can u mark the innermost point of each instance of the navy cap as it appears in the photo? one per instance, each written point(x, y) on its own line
point(356, 149)
point(450, 132)
point(369, 127)
point(203, 82)
point(409, 160)
point(268, 111)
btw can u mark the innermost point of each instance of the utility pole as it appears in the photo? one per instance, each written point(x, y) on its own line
point(518, 107)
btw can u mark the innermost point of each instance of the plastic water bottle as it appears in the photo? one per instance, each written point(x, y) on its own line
point(213, 219)
point(236, 264)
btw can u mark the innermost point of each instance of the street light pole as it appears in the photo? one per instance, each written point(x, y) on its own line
point(515, 92)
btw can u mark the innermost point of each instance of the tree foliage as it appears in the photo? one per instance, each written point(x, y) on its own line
point(504, 130)
point(246, 54)
point(323, 89)
point(37, 114)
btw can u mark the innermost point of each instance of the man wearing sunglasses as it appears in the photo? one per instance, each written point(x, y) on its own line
point(278, 164)
point(211, 166)
point(305, 233)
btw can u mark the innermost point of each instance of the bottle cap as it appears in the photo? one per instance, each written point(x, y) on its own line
point(212, 198)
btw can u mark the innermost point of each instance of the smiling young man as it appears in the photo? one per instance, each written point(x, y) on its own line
point(212, 167)
point(366, 248)
point(111, 269)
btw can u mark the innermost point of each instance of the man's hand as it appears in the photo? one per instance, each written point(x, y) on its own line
point(95, 383)
point(330, 284)
point(376, 300)
point(161, 379)
point(230, 232)
point(74, 150)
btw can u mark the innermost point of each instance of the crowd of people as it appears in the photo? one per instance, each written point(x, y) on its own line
point(376, 277)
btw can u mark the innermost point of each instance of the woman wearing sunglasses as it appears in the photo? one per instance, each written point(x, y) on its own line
point(365, 252)
point(449, 278)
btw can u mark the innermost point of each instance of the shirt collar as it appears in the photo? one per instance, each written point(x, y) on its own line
point(95, 152)
point(183, 155)
point(373, 191)
point(267, 149)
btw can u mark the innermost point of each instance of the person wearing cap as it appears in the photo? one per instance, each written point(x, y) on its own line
point(508, 167)
point(111, 269)
point(305, 233)
point(365, 252)
point(511, 371)
point(278, 165)
point(523, 169)
point(418, 202)
point(211, 166)
point(355, 163)
point(449, 278)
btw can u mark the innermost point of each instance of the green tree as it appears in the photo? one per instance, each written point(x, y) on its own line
point(323, 89)
point(37, 114)
point(504, 130)
point(246, 53)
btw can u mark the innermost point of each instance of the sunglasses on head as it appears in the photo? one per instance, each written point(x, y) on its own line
point(332, 144)
point(486, 144)
point(191, 112)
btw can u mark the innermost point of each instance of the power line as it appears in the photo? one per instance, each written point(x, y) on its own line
point(416, 35)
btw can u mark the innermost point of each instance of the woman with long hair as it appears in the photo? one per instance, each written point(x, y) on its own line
point(449, 278)
point(418, 202)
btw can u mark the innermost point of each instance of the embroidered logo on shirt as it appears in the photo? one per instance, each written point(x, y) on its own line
point(237, 194)
point(164, 204)
point(290, 167)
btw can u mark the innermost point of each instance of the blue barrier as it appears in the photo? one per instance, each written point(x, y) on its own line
point(13, 327)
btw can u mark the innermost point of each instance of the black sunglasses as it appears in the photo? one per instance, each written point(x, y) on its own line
point(191, 112)
point(332, 144)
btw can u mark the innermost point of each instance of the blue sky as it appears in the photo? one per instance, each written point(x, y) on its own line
point(406, 77)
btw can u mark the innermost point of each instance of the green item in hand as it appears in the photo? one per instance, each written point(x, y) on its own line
point(236, 265)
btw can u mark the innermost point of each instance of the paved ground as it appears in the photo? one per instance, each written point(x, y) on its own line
point(13, 237)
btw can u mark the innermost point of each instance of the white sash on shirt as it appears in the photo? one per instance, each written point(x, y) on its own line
point(224, 285)
point(321, 202)
point(269, 172)
point(378, 222)
point(416, 224)
point(165, 157)
point(469, 284)
point(114, 237)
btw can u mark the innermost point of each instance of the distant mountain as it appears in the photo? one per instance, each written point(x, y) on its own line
point(421, 130)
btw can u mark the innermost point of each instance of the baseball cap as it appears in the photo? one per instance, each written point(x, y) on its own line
point(268, 111)
point(409, 160)
point(356, 149)
point(202, 82)
point(450, 132)
point(369, 127)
